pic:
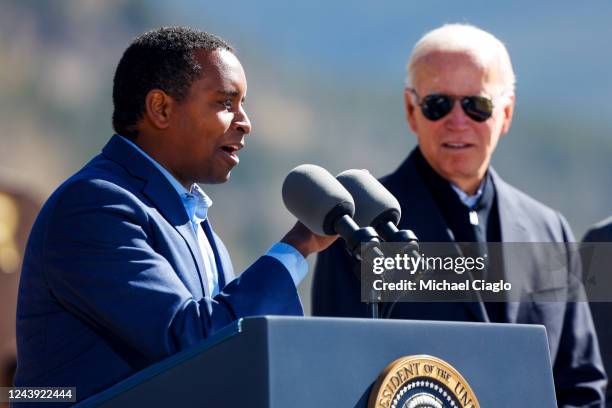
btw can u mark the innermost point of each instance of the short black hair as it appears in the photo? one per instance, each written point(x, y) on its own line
point(164, 59)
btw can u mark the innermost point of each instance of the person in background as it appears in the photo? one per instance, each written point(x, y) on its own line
point(597, 267)
point(459, 101)
point(18, 209)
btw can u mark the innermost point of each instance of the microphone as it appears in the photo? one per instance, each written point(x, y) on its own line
point(376, 206)
point(321, 203)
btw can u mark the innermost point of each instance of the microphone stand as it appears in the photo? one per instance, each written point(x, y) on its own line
point(362, 243)
point(389, 232)
point(368, 247)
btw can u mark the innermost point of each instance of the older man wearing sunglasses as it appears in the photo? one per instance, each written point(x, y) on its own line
point(459, 101)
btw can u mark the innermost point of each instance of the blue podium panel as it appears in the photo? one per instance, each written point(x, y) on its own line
point(331, 362)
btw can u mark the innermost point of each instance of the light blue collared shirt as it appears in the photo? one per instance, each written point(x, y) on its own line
point(196, 205)
point(469, 201)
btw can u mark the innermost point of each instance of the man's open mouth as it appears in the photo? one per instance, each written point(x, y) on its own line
point(231, 151)
point(456, 145)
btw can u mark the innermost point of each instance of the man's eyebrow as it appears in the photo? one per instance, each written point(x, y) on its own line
point(231, 93)
point(228, 92)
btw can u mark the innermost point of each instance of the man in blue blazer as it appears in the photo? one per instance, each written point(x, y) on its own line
point(122, 267)
point(459, 102)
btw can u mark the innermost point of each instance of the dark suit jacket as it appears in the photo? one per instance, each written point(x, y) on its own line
point(600, 232)
point(113, 278)
point(578, 371)
point(597, 261)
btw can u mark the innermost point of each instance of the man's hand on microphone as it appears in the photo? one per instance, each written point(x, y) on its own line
point(305, 241)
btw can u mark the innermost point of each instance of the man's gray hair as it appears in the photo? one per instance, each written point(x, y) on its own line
point(483, 46)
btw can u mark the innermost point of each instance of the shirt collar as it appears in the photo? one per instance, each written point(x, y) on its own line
point(469, 201)
point(196, 204)
point(195, 201)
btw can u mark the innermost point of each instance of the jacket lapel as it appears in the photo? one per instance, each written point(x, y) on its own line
point(161, 193)
point(513, 230)
point(224, 269)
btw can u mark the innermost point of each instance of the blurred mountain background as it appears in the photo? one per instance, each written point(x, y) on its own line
point(325, 87)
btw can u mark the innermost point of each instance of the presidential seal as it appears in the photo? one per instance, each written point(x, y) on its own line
point(421, 382)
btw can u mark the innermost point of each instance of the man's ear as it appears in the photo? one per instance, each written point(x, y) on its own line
point(508, 113)
point(410, 107)
point(158, 107)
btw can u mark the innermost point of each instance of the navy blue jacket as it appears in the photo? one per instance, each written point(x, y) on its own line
point(577, 366)
point(597, 263)
point(113, 278)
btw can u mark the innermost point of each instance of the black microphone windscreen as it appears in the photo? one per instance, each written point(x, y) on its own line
point(374, 204)
point(316, 198)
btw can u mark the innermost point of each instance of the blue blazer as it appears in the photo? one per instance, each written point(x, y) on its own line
point(113, 278)
point(578, 370)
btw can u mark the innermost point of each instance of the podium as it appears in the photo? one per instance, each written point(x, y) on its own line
point(296, 362)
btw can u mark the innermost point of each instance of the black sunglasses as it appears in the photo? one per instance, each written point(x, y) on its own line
point(437, 106)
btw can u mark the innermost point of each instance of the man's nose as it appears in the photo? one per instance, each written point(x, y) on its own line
point(242, 122)
point(457, 119)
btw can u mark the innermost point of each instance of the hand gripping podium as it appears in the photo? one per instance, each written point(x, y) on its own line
point(296, 362)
